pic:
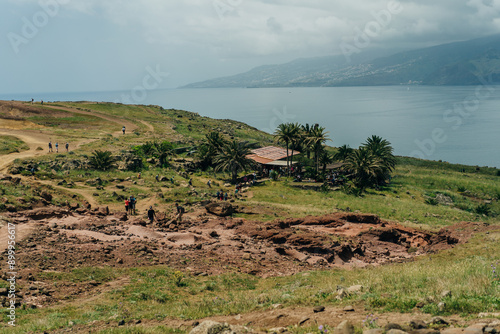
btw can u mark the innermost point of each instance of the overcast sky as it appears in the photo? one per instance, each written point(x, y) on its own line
point(95, 45)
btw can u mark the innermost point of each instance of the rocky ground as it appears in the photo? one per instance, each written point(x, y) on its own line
point(63, 238)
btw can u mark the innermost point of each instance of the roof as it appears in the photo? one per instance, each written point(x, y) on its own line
point(258, 159)
point(280, 163)
point(335, 166)
point(273, 153)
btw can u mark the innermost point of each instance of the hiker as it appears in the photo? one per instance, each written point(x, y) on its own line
point(225, 196)
point(180, 211)
point(190, 182)
point(221, 195)
point(209, 183)
point(132, 204)
point(41, 102)
point(67, 147)
point(139, 175)
point(157, 177)
point(151, 214)
point(32, 100)
point(123, 129)
point(50, 146)
point(217, 194)
point(127, 205)
point(57, 147)
point(172, 180)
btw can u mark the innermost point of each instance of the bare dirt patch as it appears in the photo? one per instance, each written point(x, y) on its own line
point(53, 239)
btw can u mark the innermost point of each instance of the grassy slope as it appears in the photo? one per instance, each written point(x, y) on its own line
point(9, 144)
point(464, 270)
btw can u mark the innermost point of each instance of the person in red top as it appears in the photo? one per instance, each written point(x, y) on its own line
point(127, 203)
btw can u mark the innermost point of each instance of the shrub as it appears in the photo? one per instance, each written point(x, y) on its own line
point(483, 209)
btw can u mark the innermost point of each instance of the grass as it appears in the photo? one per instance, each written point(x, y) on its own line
point(10, 144)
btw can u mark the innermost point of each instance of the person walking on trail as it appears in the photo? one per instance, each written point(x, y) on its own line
point(209, 183)
point(157, 177)
point(151, 214)
point(67, 147)
point(190, 182)
point(123, 129)
point(50, 146)
point(127, 205)
point(57, 147)
point(132, 204)
point(180, 211)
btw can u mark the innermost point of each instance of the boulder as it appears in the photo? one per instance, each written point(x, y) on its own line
point(345, 327)
point(213, 327)
point(221, 209)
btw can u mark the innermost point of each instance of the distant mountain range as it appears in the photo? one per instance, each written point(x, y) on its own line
point(459, 63)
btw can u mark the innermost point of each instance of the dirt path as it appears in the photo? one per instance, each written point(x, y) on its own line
point(32, 138)
point(22, 231)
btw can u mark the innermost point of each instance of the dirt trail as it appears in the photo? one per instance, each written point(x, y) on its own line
point(32, 138)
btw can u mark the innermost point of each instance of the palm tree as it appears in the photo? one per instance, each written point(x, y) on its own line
point(365, 167)
point(343, 152)
point(286, 133)
point(163, 151)
point(232, 158)
point(324, 159)
point(305, 133)
point(208, 150)
point(296, 131)
point(101, 160)
point(382, 150)
point(317, 137)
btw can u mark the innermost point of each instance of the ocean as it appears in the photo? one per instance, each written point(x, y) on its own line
point(454, 123)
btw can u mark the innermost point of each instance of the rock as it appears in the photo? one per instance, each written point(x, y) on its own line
point(277, 330)
point(119, 261)
point(121, 322)
point(395, 331)
point(349, 308)
point(391, 325)
point(341, 294)
point(212, 327)
point(443, 199)
point(103, 211)
point(221, 209)
point(441, 306)
point(437, 321)
point(46, 196)
point(490, 330)
point(475, 329)
point(355, 289)
point(446, 294)
point(425, 331)
point(345, 327)
point(318, 309)
point(373, 331)
point(452, 331)
point(304, 320)
point(418, 324)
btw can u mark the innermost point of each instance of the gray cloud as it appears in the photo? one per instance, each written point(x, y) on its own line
point(114, 40)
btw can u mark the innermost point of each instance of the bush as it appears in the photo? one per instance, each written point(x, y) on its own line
point(483, 209)
point(431, 201)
